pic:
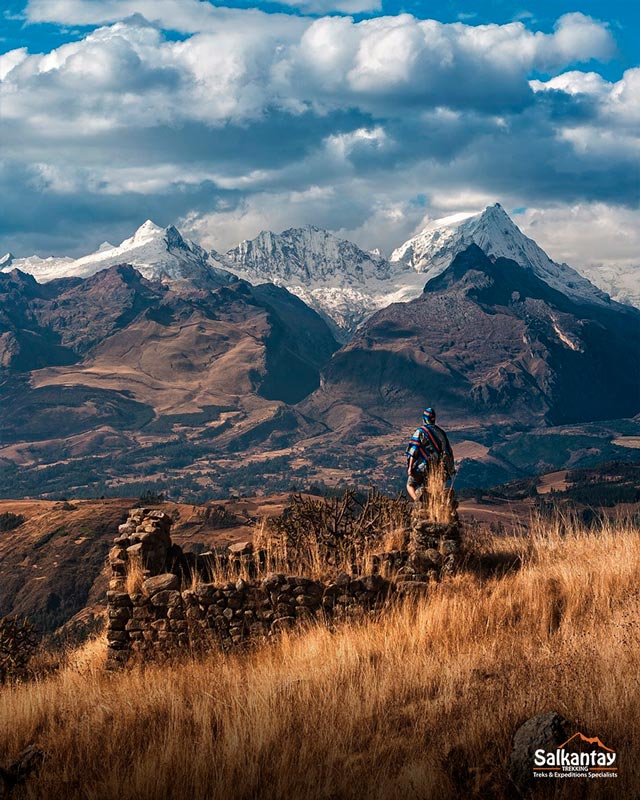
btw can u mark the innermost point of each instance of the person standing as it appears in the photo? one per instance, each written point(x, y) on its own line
point(428, 447)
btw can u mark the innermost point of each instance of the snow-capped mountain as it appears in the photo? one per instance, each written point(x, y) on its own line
point(309, 256)
point(346, 284)
point(620, 281)
point(338, 279)
point(432, 250)
point(157, 253)
point(334, 276)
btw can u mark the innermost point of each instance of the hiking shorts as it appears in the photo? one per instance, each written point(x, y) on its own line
point(416, 479)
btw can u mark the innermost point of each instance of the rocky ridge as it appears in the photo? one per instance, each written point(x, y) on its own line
point(335, 277)
point(157, 253)
point(490, 339)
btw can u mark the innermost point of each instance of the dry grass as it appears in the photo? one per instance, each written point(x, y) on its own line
point(322, 537)
point(436, 498)
point(421, 703)
point(134, 576)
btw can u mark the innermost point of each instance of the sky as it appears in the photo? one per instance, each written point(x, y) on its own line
point(366, 117)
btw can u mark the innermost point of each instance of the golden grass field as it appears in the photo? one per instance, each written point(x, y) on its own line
point(419, 703)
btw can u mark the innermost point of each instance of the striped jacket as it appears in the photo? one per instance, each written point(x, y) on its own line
point(429, 444)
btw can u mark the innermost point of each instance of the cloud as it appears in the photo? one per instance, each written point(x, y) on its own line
point(244, 64)
point(600, 235)
point(10, 60)
point(253, 120)
point(611, 127)
point(327, 6)
point(185, 16)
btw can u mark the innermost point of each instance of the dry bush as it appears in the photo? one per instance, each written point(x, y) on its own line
point(324, 536)
point(18, 644)
point(10, 521)
point(319, 538)
point(422, 702)
point(216, 516)
point(436, 501)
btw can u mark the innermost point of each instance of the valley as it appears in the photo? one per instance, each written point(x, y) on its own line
point(204, 375)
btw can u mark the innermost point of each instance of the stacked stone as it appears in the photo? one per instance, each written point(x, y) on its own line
point(119, 607)
point(229, 613)
point(145, 537)
point(144, 542)
point(434, 550)
point(292, 599)
point(350, 596)
point(158, 618)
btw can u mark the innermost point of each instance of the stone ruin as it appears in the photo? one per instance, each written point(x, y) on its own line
point(173, 605)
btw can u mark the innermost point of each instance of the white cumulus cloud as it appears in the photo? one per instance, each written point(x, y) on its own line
point(251, 120)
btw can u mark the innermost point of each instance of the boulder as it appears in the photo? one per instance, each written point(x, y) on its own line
point(546, 731)
point(167, 597)
point(118, 599)
point(240, 548)
point(161, 583)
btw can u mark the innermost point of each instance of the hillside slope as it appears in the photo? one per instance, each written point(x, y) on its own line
point(122, 369)
point(490, 342)
point(422, 701)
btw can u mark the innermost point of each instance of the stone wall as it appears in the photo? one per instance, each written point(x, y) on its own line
point(160, 601)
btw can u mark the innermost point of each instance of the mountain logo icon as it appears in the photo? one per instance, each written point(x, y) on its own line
point(579, 738)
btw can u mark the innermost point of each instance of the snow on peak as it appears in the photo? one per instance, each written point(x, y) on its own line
point(148, 231)
point(6, 260)
point(306, 254)
point(493, 230)
point(157, 253)
point(344, 283)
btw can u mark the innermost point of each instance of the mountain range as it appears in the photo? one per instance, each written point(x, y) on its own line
point(342, 282)
point(157, 253)
point(299, 357)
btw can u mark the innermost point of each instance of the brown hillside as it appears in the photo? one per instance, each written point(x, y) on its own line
point(53, 566)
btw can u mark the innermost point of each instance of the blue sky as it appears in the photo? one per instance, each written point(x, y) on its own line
point(367, 118)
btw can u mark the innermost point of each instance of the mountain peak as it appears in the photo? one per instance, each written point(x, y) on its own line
point(493, 230)
point(6, 260)
point(495, 212)
point(147, 230)
point(333, 275)
point(307, 253)
point(173, 237)
point(157, 253)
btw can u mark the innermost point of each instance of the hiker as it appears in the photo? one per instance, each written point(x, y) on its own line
point(428, 447)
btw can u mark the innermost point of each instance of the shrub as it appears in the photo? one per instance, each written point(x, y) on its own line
point(9, 521)
point(18, 642)
point(217, 516)
point(322, 535)
point(151, 498)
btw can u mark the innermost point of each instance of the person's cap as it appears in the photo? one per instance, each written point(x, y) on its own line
point(429, 414)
